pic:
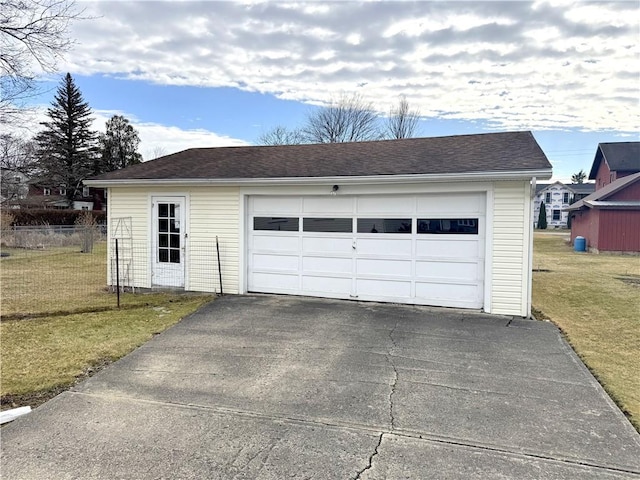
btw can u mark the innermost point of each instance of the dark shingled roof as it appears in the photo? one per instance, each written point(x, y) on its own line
point(606, 191)
point(620, 156)
point(493, 152)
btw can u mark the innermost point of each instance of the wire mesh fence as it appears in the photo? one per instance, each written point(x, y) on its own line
point(137, 266)
point(53, 270)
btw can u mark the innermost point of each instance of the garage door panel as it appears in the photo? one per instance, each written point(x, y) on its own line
point(448, 246)
point(385, 246)
point(327, 245)
point(383, 288)
point(274, 282)
point(386, 205)
point(453, 293)
point(446, 204)
point(322, 205)
point(275, 262)
point(275, 205)
point(383, 267)
point(327, 265)
point(329, 285)
point(275, 243)
point(426, 269)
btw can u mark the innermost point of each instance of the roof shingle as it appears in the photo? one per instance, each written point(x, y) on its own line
point(493, 152)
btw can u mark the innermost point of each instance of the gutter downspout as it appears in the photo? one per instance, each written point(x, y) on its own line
point(530, 269)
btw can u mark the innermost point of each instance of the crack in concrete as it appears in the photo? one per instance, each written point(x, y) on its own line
point(356, 427)
point(395, 377)
point(370, 464)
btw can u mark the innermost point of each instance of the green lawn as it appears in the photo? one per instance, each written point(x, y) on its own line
point(595, 300)
point(47, 343)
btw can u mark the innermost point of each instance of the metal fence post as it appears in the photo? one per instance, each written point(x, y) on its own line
point(117, 274)
point(219, 267)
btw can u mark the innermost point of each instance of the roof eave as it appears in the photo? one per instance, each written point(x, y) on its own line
point(543, 174)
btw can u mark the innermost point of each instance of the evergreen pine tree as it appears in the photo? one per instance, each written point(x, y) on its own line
point(67, 146)
point(542, 217)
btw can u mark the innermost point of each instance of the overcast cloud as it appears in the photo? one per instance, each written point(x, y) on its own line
point(519, 65)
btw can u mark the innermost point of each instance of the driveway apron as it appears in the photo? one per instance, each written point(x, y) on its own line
point(273, 387)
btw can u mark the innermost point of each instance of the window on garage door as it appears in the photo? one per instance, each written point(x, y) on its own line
point(285, 224)
point(456, 226)
point(384, 225)
point(332, 225)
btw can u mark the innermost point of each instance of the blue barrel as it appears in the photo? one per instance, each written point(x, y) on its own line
point(580, 244)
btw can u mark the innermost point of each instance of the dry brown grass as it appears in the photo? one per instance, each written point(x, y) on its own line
point(595, 300)
point(47, 344)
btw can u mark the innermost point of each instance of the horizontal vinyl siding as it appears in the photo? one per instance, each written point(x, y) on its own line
point(510, 251)
point(214, 211)
point(211, 211)
point(124, 204)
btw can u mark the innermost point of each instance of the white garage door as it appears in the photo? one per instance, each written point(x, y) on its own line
point(418, 249)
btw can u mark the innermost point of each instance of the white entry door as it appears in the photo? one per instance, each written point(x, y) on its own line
point(168, 259)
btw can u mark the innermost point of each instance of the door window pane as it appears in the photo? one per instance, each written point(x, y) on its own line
point(334, 225)
point(285, 224)
point(384, 225)
point(163, 255)
point(163, 240)
point(163, 225)
point(163, 210)
point(456, 226)
point(174, 256)
point(175, 241)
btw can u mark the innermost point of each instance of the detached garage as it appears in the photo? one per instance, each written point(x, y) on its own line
point(441, 221)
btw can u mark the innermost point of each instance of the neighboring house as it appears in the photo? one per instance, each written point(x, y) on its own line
point(440, 221)
point(41, 194)
point(557, 197)
point(609, 218)
point(14, 186)
point(613, 161)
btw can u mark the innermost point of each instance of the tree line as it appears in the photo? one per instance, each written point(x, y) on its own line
point(67, 150)
point(347, 118)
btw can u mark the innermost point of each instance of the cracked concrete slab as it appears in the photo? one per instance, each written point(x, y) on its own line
point(286, 387)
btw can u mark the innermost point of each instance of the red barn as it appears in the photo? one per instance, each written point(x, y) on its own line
point(609, 218)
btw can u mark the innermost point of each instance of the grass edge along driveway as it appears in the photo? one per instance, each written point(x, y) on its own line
point(595, 301)
point(40, 357)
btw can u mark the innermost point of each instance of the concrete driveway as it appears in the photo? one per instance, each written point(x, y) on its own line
point(275, 387)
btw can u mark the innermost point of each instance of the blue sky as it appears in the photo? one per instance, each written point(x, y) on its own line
point(199, 74)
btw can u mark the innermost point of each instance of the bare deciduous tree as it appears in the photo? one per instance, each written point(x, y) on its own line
point(156, 152)
point(346, 119)
point(282, 136)
point(17, 165)
point(33, 37)
point(402, 121)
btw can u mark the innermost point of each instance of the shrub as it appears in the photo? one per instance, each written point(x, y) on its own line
point(542, 217)
point(53, 217)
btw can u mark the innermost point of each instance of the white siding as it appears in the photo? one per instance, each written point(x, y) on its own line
point(211, 211)
point(510, 248)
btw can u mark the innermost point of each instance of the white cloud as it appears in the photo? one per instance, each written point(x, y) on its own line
point(154, 137)
point(165, 139)
point(514, 64)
